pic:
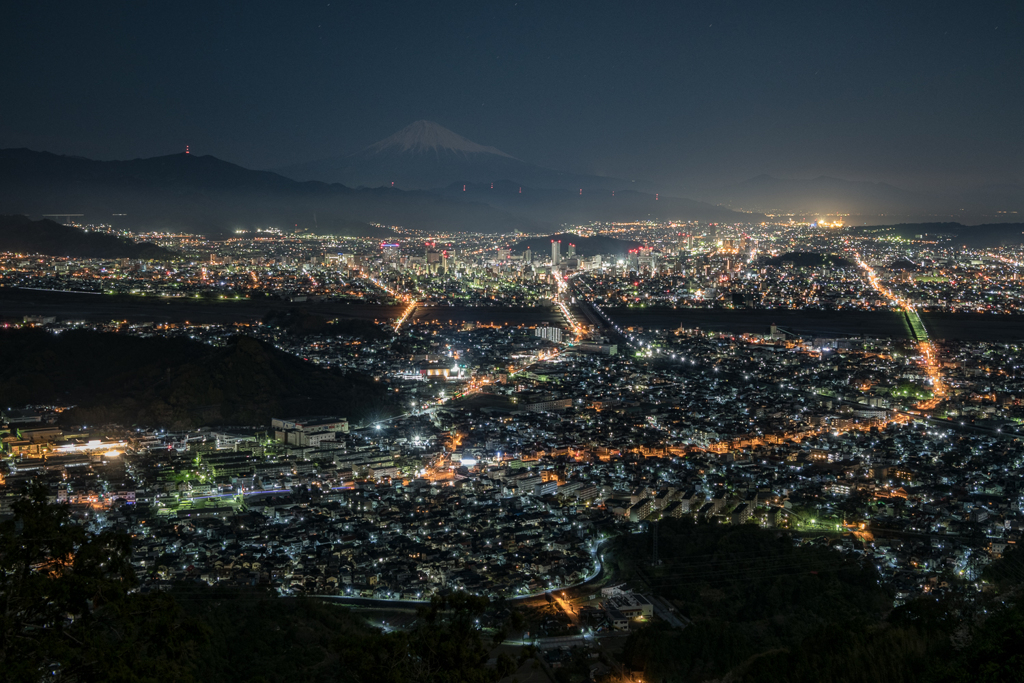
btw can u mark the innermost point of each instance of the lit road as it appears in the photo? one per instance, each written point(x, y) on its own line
point(926, 348)
point(566, 606)
point(924, 345)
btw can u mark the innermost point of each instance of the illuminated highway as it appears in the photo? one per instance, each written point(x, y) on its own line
point(924, 345)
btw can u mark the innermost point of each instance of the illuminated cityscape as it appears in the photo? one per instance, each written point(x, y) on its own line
point(541, 394)
point(511, 343)
point(541, 407)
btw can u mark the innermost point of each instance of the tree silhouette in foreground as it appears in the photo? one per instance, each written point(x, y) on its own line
point(69, 614)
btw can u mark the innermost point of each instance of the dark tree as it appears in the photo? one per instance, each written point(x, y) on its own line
point(54, 575)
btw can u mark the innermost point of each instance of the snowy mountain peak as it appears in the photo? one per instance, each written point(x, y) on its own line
point(427, 136)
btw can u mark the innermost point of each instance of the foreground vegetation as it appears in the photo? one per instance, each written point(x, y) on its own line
point(760, 609)
point(766, 610)
point(70, 615)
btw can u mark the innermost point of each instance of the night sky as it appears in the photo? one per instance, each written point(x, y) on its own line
point(925, 95)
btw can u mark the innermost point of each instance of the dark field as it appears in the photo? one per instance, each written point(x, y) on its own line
point(804, 323)
point(974, 326)
point(15, 303)
point(498, 316)
point(963, 326)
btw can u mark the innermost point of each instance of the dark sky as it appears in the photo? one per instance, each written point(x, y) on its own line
point(704, 93)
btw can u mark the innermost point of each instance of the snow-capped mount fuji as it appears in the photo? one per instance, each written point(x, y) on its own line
point(425, 155)
point(422, 137)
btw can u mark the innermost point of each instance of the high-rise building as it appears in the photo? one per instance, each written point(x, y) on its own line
point(571, 252)
point(528, 255)
point(556, 252)
point(553, 334)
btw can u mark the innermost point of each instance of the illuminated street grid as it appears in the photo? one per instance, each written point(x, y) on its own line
point(515, 452)
point(767, 266)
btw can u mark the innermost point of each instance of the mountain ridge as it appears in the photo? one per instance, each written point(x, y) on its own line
point(203, 194)
point(195, 193)
point(427, 156)
point(421, 136)
point(20, 234)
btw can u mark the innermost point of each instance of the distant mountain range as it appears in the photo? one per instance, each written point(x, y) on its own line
point(19, 234)
point(581, 206)
point(428, 156)
point(203, 194)
point(869, 202)
point(425, 155)
point(429, 178)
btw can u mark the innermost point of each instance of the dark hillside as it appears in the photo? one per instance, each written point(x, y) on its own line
point(22, 235)
point(985, 236)
point(175, 383)
point(749, 592)
point(766, 610)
